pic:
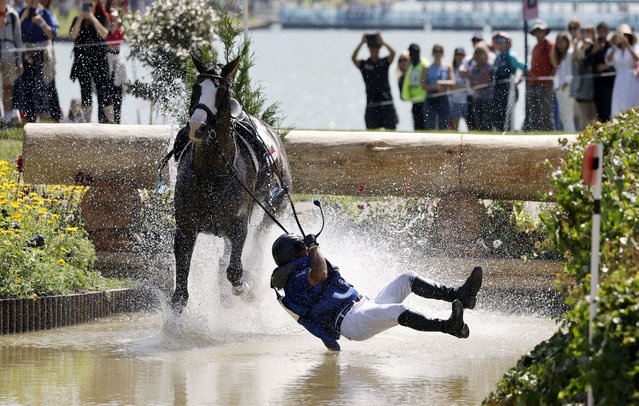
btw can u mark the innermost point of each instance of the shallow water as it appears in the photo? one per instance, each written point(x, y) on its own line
point(132, 359)
point(255, 354)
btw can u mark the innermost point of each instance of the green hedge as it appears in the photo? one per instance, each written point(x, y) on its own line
point(560, 369)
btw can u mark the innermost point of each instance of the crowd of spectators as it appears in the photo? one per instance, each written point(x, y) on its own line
point(27, 62)
point(588, 73)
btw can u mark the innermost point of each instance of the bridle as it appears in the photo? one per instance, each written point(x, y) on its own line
point(223, 84)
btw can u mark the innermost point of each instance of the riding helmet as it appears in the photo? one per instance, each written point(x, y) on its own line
point(286, 248)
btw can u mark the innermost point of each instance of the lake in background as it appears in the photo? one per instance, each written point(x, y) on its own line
point(309, 72)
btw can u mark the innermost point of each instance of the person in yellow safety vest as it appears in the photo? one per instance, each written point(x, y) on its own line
point(412, 89)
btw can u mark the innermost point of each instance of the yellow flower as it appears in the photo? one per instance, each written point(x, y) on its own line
point(72, 229)
point(15, 205)
point(34, 297)
point(42, 210)
point(61, 261)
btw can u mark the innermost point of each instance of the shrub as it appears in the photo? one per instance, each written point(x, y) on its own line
point(560, 369)
point(43, 247)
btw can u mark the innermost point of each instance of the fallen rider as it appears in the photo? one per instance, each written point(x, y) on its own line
point(329, 307)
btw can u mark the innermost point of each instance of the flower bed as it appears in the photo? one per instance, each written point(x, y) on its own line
point(44, 249)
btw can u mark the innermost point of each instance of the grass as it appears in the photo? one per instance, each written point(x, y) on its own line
point(10, 143)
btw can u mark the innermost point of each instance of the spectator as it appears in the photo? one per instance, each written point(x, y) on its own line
point(437, 80)
point(624, 56)
point(539, 89)
point(380, 110)
point(11, 57)
point(604, 74)
point(582, 82)
point(477, 38)
point(503, 74)
point(574, 28)
point(412, 89)
point(49, 68)
point(38, 29)
point(561, 59)
point(402, 66)
point(117, 70)
point(459, 98)
point(480, 80)
point(90, 67)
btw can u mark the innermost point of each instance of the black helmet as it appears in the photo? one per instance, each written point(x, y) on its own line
point(286, 248)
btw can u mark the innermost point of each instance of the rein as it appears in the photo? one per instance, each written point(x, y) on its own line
point(209, 119)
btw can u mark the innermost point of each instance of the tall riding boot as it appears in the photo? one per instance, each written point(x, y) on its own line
point(86, 114)
point(466, 293)
point(454, 326)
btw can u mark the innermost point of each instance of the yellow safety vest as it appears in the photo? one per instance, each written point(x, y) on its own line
point(412, 87)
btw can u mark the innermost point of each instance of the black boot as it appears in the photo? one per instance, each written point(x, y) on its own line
point(454, 326)
point(467, 293)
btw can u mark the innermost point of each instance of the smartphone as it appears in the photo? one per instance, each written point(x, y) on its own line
point(32, 12)
point(86, 6)
point(371, 40)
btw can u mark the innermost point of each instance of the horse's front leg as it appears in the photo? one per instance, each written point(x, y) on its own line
point(184, 243)
point(235, 270)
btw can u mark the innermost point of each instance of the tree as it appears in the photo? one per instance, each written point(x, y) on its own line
point(162, 39)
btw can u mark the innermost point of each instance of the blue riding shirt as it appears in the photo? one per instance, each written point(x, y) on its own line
point(318, 306)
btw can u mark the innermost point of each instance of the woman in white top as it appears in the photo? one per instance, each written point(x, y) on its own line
point(624, 56)
point(561, 59)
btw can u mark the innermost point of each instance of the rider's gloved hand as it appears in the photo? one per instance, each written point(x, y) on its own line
point(310, 241)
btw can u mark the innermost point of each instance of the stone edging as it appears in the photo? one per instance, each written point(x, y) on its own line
point(25, 315)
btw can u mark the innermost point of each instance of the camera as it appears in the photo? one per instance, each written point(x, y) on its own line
point(32, 12)
point(86, 6)
point(371, 41)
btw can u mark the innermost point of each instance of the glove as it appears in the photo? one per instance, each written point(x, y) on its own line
point(310, 241)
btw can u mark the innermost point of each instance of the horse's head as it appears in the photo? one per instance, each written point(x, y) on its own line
point(210, 95)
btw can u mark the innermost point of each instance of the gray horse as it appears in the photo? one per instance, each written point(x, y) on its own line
point(230, 154)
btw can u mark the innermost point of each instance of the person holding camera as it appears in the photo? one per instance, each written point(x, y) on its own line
point(624, 57)
point(89, 31)
point(10, 58)
point(380, 109)
point(318, 297)
point(38, 29)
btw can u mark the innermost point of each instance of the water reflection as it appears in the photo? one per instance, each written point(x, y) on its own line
point(136, 359)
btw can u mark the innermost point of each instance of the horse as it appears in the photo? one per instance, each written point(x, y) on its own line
point(221, 175)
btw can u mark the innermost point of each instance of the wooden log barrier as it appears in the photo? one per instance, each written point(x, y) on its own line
point(509, 167)
point(113, 160)
point(116, 160)
point(459, 168)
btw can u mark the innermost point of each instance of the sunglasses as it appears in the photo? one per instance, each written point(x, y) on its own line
point(573, 27)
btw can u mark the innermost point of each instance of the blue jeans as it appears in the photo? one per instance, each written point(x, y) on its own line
point(436, 112)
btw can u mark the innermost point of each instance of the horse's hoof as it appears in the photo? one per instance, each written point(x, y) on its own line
point(239, 289)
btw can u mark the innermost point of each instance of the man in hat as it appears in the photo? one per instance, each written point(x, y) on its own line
point(326, 305)
point(539, 90)
point(380, 110)
point(412, 88)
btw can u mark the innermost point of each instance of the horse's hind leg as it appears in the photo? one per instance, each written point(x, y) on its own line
point(183, 244)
